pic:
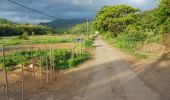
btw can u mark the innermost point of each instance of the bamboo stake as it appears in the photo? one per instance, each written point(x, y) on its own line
point(22, 75)
point(47, 66)
point(81, 47)
point(33, 75)
point(5, 72)
point(51, 67)
point(54, 62)
point(41, 77)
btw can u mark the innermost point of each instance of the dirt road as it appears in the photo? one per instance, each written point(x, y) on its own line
point(106, 77)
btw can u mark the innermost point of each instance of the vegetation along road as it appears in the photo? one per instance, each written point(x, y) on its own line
point(106, 77)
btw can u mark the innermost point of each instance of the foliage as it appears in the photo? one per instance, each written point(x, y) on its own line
point(130, 41)
point(163, 16)
point(67, 59)
point(88, 43)
point(79, 29)
point(164, 10)
point(146, 21)
point(64, 59)
point(115, 18)
point(24, 36)
point(7, 29)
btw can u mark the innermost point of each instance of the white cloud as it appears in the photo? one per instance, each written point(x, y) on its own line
point(82, 2)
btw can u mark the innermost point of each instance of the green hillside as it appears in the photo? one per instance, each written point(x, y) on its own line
point(8, 28)
point(5, 21)
point(63, 23)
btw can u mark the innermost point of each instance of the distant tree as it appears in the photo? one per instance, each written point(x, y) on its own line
point(24, 36)
point(79, 29)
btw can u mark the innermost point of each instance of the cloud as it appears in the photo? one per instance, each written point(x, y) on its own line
point(62, 8)
point(83, 2)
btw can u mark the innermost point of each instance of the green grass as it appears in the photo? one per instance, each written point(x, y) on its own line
point(131, 43)
point(36, 40)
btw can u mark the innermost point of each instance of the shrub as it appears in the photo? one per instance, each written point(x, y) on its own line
point(88, 43)
point(24, 36)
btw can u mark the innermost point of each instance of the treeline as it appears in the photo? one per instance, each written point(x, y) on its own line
point(128, 28)
point(122, 18)
point(12, 29)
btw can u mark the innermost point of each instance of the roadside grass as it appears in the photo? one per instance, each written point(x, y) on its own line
point(131, 43)
point(37, 40)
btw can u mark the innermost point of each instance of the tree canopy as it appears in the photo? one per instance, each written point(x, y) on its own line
point(163, 15)
point(164, 10)
point(115, 18)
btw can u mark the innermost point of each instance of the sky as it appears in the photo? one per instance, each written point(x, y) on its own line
point(66, 9)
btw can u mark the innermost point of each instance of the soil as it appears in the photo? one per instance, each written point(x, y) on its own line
point(42, 46)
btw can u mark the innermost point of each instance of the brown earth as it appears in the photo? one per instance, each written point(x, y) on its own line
point(42, 46)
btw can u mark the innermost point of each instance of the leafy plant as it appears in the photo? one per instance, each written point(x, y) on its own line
point(64, 59)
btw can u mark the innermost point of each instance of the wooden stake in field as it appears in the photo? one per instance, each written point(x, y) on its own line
point(81, 47)
point(41, 77)
point(51, 67)
point(87, 28)
point(5, 72)
point(53, 63)
point(47, 66)
point(22, 74)
point(33, 69)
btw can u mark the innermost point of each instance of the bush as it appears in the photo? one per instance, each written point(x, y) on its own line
point(88, 43)
point(130, 41)
point(24, 36)
point(152, 38)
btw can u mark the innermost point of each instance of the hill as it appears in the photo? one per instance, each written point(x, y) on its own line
point(63, 23)
point(9, 28)
point(5, 21)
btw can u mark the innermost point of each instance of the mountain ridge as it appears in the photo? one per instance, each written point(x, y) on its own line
point(63, 23)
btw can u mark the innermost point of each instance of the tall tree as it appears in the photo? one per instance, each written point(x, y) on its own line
point(115, 18)
point(164, 10)
point(163, 16)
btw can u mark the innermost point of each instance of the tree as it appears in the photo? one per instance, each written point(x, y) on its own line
point(115, 18)
point(146, 20)
point(163, 16)
point(164, 10)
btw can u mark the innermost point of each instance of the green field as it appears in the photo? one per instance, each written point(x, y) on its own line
point(37, 40)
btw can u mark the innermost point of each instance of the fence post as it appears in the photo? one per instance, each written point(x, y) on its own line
point(81, 47)
point(51, 74)
point(22, 74)
point(41, 68)
point(5, 71)
point(47, 65)
point(53, 63)
point(33, 68)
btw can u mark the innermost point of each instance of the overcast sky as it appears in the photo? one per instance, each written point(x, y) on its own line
point(67, 9)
